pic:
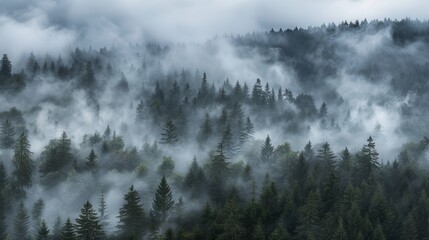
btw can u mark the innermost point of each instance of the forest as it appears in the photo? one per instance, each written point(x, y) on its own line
point(315, 133)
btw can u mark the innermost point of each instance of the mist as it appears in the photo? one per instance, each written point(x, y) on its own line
point(155, 91)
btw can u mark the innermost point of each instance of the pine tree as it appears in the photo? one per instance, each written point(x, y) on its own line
point(368, 161)
point(22, 162)
point(230, 226)
point(308, 151)
point(88, 225)
point(228, 141)
point(91, 162)
point(3, 226)
point(68, 232)
point(57, 228)
point(194, 179)
point(206, 130)
point(163, 201)
point(169, 136)
point(267, 151)
point(22, 223)
point(107, 133)
point(43, 233)
point(7, 133)
point(326, 158)
point(247, 131)
point(345, 163)
point(140, 112)
point(309, 218)
point(258, 233)
point(258, 94)
point(102, 210)
point(408, 230)
point(131, 216)
point(36, 215)
point(323, 112)
point(6, 67)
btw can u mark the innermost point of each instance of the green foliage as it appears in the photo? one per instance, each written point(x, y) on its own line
point(88, 225)
point(22, 174)
point(7, 133)
point(21, 224)
point(131, 216)
point(163, 201)
point(68, 231)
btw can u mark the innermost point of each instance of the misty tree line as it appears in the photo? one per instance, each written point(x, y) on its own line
point(246, 189)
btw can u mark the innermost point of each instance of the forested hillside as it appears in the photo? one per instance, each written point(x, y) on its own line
point(316, 133)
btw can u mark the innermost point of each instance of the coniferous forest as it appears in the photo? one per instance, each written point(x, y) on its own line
point(302, 133)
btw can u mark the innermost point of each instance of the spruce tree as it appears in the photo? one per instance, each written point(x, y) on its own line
point(194, 179)
point(68, 231)
point(206, 130)
point(21, 224)
point(169, 135)
point(7, 134)
point(36, 215)
point(102, 210)
point(6, 67)
point(309, 218)
point(367, 164)
point(140, 112)
point(22, 162)
point(91, 162)
point(43, 233)
point(57, 228)
point(326, 158)
point(163, 201)
point(408, 229)
point(131, 216)
point(267, 151)
point(88, 225)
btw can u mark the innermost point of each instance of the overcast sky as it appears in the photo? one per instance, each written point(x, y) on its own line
point(50, 25)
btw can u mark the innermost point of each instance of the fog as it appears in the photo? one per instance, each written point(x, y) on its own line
point(148, 43)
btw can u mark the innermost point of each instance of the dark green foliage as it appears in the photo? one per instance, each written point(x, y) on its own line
point(57, 156)
point(163, 201)
point(131, 216)
point(22, 174)
point(7, 134)
point(6, 67)
point(36, 215)
point(309, 222)
point(169, 134)
point(368, 161)
point(88, 225)
point(21, 223)
point(206, 130)
point(166, 167)
point(102, 211)
point(194, 179)
point(141, 114)
point(43, 233)
point(91, 161)
point(408, 229)
point(68, 231)
point(267, 151)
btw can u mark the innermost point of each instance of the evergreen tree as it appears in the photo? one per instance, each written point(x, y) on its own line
point(3, 226)
point(88, 225)
point(169, 135)
point(6, 67)
point(345, 163)
point(57, 228)
point(131, 216)
point(194, 179)
point(368, 161)
point(326, 157)
point(102, 211)
point(166, 167)
point(309, 218)
point(163, 201)
point(107, 133)
point(140, 112)
point(68, 232)
point(91, 162)
point(308, 151)
point(7, 133)
point(323, 112)
point(258, 233)
point(258, 94)
point(247, 131)
point(21, 223)
point(228, 141)
point(230, 226)
point(36, 215)
point(408, 229)
point(22, 162)
point(206, 130)
point(43, 233)
point(267, 151)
